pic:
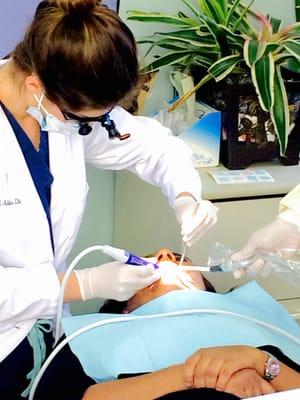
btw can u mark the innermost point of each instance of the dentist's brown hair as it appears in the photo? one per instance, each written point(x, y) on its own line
point(82, 52)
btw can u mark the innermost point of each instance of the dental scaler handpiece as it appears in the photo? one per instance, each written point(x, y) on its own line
point(125, 256)
point(184, 245)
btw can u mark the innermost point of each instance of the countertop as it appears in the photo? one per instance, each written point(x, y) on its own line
point(285, 179)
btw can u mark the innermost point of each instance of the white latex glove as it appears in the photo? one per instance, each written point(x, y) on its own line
point(115, 280)
point(195, 218)
point(281, 236)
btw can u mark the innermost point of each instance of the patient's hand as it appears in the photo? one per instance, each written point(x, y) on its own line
point(214, 366)
point(247, 383)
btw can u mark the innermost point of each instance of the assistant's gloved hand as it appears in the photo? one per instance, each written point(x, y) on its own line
point(115, 280)
point(196, 219)
point(281, 236)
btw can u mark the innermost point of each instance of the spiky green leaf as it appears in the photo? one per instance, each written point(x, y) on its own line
point(165, 44)
point(232, 37)
point(293, 65)
point(184, 42)
point(297, 6)
point(220, 69)
point(266, 30)
point(282, 58)
point(225, 38)
point(263, 79)
point(214, 10)
point(253, 51)
point(188, 33)
point(249, 12)
point(224, 5)
point(293, 47)
point(232, 11)
point(202, 61)
point(242, 16)
point(194, 10)
point(190, 21)
point(272, 48)
point(275, 23)
point(292, 28)
point(280, 111)
point(157, 17)
point(245, 26)
point(169, 59)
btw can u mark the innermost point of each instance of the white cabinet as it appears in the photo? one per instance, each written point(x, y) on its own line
point(144, 222)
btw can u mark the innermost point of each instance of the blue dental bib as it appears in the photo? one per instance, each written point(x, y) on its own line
point(151, 344)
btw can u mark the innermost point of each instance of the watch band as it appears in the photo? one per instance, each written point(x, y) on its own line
point(272, 367)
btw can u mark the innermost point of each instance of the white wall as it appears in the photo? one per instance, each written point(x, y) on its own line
point(282, 9)
point(14, 17)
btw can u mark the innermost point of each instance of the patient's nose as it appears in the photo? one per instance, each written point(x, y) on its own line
point(165, 255)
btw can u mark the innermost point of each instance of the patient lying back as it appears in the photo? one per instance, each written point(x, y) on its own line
point(171, 279)
point(228, 359)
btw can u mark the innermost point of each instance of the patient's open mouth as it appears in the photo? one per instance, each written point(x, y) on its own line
point(171, 275)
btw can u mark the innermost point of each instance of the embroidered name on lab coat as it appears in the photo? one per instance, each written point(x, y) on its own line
point(10, 202)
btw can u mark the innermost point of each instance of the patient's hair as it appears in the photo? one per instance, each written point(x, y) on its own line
point(117, 307)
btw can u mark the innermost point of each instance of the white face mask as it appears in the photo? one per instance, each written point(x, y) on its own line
point(48, 122)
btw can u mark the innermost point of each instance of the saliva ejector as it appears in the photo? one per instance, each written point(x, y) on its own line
point(286, 268)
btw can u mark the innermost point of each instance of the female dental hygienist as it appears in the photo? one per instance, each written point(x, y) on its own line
point(59, 94)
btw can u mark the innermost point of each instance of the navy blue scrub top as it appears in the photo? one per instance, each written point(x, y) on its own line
point(37, 163)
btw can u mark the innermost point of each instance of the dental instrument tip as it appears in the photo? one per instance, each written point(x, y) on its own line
point(183, 256)
point(216, 268)
point(200, 268)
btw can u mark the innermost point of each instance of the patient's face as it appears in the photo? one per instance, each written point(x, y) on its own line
point(171, 279)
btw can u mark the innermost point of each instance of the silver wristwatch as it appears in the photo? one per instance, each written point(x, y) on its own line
point(272, 367)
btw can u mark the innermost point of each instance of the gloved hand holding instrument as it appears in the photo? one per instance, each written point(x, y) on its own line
point(196, 219)
point(118, 280)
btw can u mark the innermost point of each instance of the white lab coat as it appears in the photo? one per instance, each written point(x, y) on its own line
point(29, 287)
point(291, 201)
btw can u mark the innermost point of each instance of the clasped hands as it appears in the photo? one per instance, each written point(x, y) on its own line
point(233, 369)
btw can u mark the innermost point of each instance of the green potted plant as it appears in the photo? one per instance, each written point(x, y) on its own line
point(229, 42)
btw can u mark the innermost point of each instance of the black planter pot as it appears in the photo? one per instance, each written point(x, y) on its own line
point(247, 131)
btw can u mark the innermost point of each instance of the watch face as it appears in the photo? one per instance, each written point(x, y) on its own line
point(273, 367)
